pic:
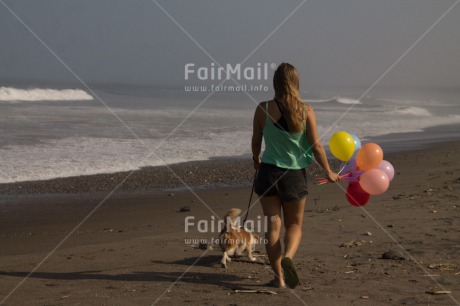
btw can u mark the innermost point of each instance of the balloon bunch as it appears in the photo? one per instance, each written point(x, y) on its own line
point(363, 167)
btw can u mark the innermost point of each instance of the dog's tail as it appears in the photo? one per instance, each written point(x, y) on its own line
point(232, 214)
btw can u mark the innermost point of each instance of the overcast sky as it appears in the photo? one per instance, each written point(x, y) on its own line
point(332, 42)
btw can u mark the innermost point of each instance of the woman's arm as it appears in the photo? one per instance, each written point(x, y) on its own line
point(316, 146)
point(257, 134)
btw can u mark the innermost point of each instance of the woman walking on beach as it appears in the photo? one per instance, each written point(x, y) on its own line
point(288, 127)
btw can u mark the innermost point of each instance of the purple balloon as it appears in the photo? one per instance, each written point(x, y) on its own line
point(349, 167)
point(353, 177)
point(386, 167)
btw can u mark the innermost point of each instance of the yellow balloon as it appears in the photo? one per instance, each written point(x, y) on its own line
point(342, 145)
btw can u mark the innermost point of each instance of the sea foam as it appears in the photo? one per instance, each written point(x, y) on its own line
point(415, 111)
point(10, 94)
point(337, 99)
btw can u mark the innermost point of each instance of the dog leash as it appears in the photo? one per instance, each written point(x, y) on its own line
point(250, 198)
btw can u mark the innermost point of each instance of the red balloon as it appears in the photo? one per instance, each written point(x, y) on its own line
point(356, 195)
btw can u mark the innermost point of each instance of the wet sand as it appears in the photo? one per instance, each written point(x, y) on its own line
point(132, 248)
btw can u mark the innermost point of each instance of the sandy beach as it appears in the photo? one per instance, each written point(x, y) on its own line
point(127, 134)
point(131, 248)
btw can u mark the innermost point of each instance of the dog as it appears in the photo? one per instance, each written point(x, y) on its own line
point(234, 240)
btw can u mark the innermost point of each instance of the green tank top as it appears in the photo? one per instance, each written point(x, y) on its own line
point(285, 149)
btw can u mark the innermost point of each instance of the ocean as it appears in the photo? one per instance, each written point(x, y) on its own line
point(48, 133)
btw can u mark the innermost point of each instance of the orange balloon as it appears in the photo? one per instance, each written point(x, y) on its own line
point(369, 156)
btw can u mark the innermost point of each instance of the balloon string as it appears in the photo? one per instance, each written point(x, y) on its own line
point(324, 185)
point(346, 164)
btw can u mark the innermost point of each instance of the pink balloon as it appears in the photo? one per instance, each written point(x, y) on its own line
point(386, 167)
point(374, 181)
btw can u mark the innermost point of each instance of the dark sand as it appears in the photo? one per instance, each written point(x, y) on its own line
point(132, 249)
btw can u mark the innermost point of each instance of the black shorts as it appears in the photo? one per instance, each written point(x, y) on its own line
point(288, 184)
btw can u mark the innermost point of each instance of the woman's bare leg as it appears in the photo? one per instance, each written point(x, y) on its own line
point(293, 216)
point(272, 210)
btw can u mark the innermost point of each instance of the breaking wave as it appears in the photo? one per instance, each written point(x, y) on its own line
point(10, 94)
point(415, 111)
point(339, 100)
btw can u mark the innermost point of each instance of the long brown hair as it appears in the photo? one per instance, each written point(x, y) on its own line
point(286, 85)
